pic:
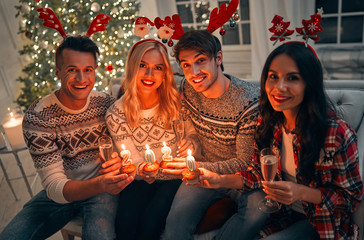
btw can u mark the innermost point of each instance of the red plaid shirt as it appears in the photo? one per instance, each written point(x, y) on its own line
point(336, 176)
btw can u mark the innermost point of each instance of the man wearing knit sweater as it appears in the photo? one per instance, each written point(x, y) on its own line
point(224, 112)
point(62, 131)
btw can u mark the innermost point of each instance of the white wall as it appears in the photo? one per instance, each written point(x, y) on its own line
point(10, 61)
point(148, 8)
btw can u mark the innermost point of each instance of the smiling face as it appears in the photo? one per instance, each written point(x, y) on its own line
point(151, 72)
point(76, 70)
point(285, 86)
point(200, 70)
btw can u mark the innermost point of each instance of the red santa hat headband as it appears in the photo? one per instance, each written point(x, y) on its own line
point(171, 27)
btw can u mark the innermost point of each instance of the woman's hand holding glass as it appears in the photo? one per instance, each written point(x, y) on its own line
point(269, 166)
point(285, 192)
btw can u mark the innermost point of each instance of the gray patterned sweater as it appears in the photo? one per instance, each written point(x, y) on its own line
point(225, 125)
point(63, 142)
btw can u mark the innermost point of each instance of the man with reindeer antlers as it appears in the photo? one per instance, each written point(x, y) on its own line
point(62, 131)
point(224, 112)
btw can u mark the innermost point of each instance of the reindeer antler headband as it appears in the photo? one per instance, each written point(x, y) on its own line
point(51, 21)
point(171, 27)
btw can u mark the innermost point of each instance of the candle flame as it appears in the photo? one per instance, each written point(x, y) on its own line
point(123, 146)
point(189, 152)
point(146, 145)
point(164, 144)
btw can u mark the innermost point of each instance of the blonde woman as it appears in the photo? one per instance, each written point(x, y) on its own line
point(142, 116)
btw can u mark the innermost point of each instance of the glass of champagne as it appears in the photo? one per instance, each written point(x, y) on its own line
point(178, 128)
point(105, 146)
point(269, 166)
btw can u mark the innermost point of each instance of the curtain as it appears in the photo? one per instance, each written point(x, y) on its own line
point(261, 15)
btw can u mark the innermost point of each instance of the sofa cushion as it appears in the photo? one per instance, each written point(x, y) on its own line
point(350, 103)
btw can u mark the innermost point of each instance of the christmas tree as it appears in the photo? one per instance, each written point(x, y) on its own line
point(39, 77)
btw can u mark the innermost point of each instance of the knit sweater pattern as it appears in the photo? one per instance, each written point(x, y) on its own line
point(225, 125)
point(135, 139)
point(63, 142)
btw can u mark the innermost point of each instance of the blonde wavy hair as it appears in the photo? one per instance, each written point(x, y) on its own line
point(169, 98)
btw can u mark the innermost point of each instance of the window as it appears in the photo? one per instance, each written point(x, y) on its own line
point(342, 21)
point(195, 14)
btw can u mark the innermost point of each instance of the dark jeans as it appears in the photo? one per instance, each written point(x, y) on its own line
point(143, 209)
point(191, 203)
point(41, 217)
point(301, 229)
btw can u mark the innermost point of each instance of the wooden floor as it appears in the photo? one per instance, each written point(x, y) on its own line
point(9, 207)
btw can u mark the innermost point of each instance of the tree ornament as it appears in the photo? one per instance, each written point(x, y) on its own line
point(236, 17)
point(279, 29)
point(114, 10)
point(109, 68)
point(164, 40)
point(121, 33)
point(25, 8)
point(170, 43)
point(310, 28)
point(23, 23)
point(222, 32)
point(232, 23)
point(95, 7)
point(43, 44)
point(28, 34)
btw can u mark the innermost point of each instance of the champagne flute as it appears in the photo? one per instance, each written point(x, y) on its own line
point(178, 128)
point(105, 147)
point(269, 166)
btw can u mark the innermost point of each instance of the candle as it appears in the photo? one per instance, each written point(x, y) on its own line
point(14, 132)
point(125, 155)
point(166, 153)
point(149, 155)
point(190, 161)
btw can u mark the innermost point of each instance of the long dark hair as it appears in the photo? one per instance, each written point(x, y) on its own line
point(312, 117)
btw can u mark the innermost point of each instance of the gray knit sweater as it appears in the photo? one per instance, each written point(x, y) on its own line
point(225, 125)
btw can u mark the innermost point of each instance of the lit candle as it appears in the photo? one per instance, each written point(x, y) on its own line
point(190, 161)
point(14, 132)
point(149, 155)
point(125, 155)
point(166, 153)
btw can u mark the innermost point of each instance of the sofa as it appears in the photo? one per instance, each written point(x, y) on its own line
point(347, 95)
